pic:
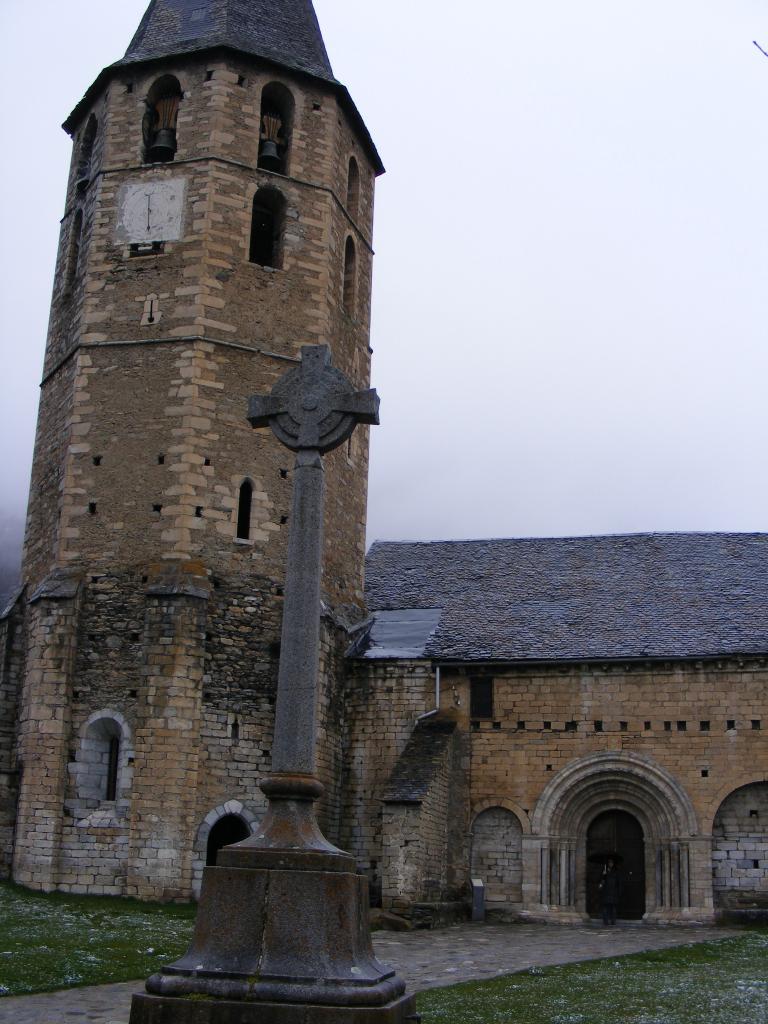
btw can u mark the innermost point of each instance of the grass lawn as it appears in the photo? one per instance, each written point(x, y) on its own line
point(708, 983)
point(55, 941)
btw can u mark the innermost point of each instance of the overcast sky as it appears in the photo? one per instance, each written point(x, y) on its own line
point(570, 324)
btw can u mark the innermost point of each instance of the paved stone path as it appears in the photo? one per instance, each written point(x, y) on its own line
point(425, 959)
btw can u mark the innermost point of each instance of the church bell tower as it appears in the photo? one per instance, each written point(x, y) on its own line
point(218, 216)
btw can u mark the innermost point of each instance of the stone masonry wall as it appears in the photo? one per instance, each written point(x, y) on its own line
point(497, 851)
point(44, 731)
point(740, 849)
point(11, 662)
point(383, 701)
point(417, 807)
point(679, 715)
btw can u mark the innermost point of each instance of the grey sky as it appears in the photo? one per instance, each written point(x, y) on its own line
point(570, 325)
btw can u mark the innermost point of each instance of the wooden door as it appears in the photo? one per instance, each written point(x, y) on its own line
point(617, 834)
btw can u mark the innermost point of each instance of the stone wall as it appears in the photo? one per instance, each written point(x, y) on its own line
point(421, 801)
point(497, 856)
point(678, 715)
point(383, 701)
point(740, 850)
point(12, 641)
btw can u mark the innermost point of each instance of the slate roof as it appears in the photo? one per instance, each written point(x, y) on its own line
point(284, 31)
point(665, 596)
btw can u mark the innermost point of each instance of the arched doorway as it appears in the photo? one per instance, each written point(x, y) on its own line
point(617, 835)
point(227, 830)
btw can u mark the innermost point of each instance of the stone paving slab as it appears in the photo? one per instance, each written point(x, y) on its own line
point(424, 959)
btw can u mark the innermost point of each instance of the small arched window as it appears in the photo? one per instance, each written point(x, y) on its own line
point(350, 275)
point(267, 223)
point(75, 245)
point(159, 123)
point(245, 501)
point(275, 128)
point(353, 189)
point(102, 761)
point(85, 158)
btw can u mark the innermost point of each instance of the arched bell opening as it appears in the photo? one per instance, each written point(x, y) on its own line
point(275, 128)
point(228, 830)
point(160, 118)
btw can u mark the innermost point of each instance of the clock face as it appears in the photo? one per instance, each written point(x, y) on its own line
point(151, 211)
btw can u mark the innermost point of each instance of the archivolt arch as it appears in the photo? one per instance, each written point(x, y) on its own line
point(251, 818)
point(614, 780)
point(508, 805)
point(728, 788)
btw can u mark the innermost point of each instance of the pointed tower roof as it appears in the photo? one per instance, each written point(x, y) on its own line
point(283, 31)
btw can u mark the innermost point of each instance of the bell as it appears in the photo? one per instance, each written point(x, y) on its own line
point(164, 146)
point(269, 158)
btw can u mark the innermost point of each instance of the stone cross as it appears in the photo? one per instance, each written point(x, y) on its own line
point(311, 410)
point(285, 937)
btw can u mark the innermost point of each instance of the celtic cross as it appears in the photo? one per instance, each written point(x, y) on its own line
point(312, 410)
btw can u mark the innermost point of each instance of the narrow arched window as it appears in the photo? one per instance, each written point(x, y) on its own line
point(353, 189)
point(113, 763)
point(85, 158)
point(275, 128)
point(244, 504)
point(267, 223)
point(102, 764)
point(75, 245)
point(159, 122)
point(350, 274)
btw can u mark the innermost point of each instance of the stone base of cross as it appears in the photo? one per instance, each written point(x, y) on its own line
point(282, 933)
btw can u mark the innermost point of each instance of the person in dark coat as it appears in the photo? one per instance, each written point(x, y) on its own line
point(610, 892)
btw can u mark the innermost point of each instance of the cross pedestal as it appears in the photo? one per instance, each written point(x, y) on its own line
point(282, 934)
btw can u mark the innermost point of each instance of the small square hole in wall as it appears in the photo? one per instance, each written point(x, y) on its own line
point(755, 863)
point(730, 724)
point(129, 87)
point(199, 511)
point(97, 460)
point(206, 462)
point(241, 80)
point(704, 726)
point(283, 520)
point(571, 726)
point(598, 726)
point(682, 726)
point(549, 767)
point(667, 727)
point(92, 508)
point(284, 474)
point(208, 75)
point(647, 726)
point(705, 773)
point(157, 508)
point(521, 725)
point(317, 106)
point(547, 725)
point(76, 695)
point(133, 693)
point(753, 813)
point(623, 726)
point(497, 725)
point(756, 723)
point(161, 460)
point(475, 725)
point(279, 591)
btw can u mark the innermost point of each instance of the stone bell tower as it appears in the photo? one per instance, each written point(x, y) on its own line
point(218, 216)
